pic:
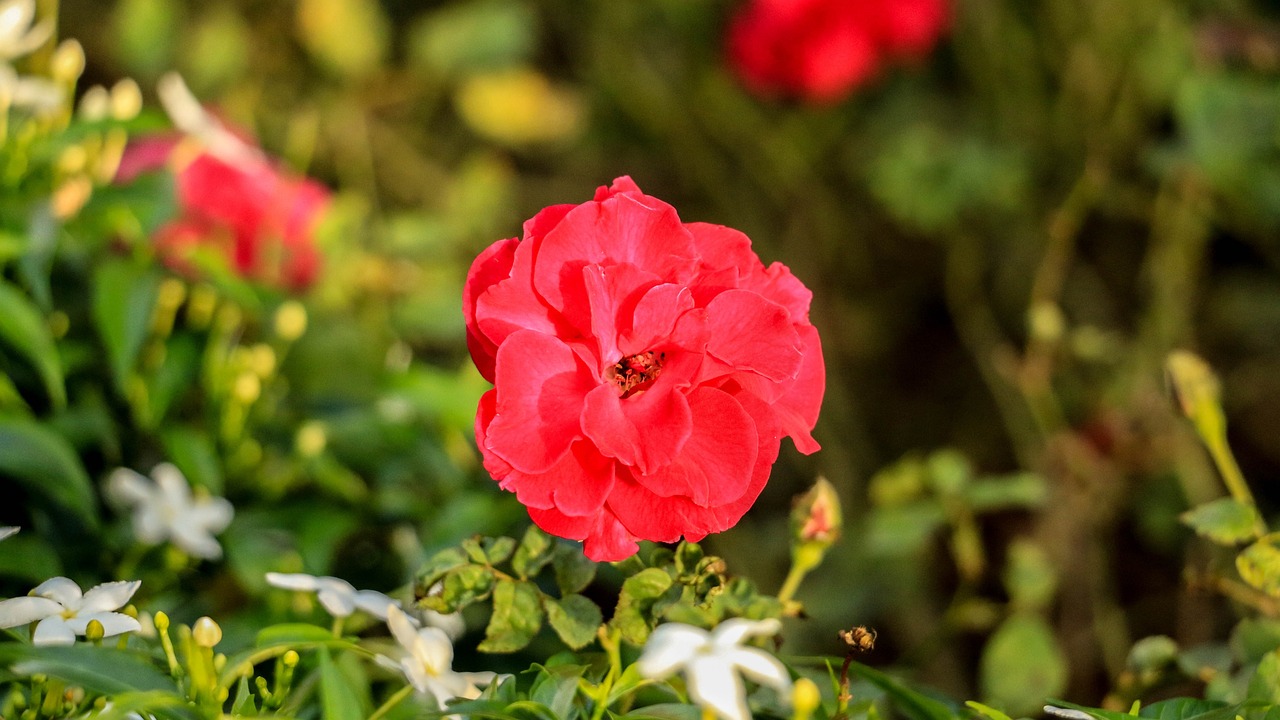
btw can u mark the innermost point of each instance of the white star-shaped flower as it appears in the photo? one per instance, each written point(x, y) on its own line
point(63, 612)
point(427, 662)
point(18, 36)
point(165, 510)
point(713, 662)
point(340, 598)
point(28, 92)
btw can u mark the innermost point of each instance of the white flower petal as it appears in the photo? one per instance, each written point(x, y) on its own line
point(402, 628)
point(112, 623)
point(61, 589)
point(293, 581)
point(126, 487)
point(53, 631)
point(731, 633)
point(388, 663)
point(374, 603)
point(15, 17)
point(418, 677)
point(195, 541)
point(22, 610)
point(109, 596)
point(452, 623)
point(761, 667)
point(175, 491)
point(8, 532)
point(433, 649)
point(213, 514)
point(714, 683)
point(669, 647)
point(149, 524)
point(337, 601)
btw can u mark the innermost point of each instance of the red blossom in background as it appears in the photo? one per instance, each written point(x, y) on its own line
point(821, 49)
point(233, 199)
point(645, 370)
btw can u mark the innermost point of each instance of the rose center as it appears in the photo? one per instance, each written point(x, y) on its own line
point(634, 372)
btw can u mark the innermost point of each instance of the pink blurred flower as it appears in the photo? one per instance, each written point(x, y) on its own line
point(820, 50)
point(231, 198)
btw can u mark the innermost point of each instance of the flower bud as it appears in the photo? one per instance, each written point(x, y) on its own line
point(311, 439)
point(1192, 382)
point(291, 321)
point(206, 632)
point(805, 698)
point(94, 631)
point(290, 658)
point(162, 621)
point(95, 103)
point(126, 99)
point(815, 516)
point(247, 388)
point(67, 62)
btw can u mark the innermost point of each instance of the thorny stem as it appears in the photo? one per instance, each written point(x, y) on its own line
point(391, 702)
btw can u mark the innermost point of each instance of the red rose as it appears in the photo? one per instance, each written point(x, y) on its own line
point(822, 49)
point(238, 201)
point(644, 370)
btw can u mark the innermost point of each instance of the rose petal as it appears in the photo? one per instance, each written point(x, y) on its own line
point(751, 333)
point(646, 430)
point(537, 416)
point(576, 485)
point(604, 538)
point(654, 318)
point(489, 268)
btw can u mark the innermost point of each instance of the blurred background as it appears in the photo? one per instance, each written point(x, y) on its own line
point(1006, 227)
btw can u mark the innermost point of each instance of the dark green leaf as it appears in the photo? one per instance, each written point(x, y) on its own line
point(23, 329)
point(517, 617)
point(913, 704)
point(243, 704)
point(1259, 565)
point(1264, 686)
point(436, 568)
point(575, 619)
point(194, 454)
point(498, 549)
point(48, 468)
point(177, 373)
point(462, 586)
point(124, 297)
point(639, 593)
point(574, 571)
point(557, 687)
point(665, 711)
point(29, 557)
point(102, 670)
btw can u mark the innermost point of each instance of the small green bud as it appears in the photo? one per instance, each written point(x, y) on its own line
point(94, 631)
point(805, 698)
point(161, 621)
point(815, 515)
point(290, 659)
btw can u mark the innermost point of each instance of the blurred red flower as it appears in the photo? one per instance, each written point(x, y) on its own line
point(821, 49)
point(233, 199)
point(644, 369)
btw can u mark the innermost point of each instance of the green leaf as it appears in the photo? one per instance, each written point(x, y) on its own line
point(462, 586)
point(575, 619)
point(533, 554)
point(1259, 565)
point(437, 567)
point(1184, 708)
point(1226, 521)
point(29, 557)
point(913, 704)
point(47, 466)
point(292, 634)
point(574, 571)
point(987, 711)
point(557, 687)
point(177, 373)
point(665, 711)
point(1252, 638)
point(1264, 686)
point(1022, 664)
point(243, 704)
point(639, 593)
point(517, 617)
point(338, 701)
point(124, 297)
point(486, 34)
point(100, 670)
point(23, 328)
point(194, 454)
point(1019, 490)
point(497, 550)
point(896, 530)
point(128, 705)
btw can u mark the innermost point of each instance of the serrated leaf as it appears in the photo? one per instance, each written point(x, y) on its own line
point(533, 554)
point(1226, 521)
point(1259, 565)
point(498, 549)
point(124, 298)
point(462, 586)
point(575, 619)
point(436, 568)
point(1022, 664)
point(23, 329)
point(574, 571)
point(338, 700)
point(517, 617)
point(48, 467)
point(474, 549)
point(638, 595)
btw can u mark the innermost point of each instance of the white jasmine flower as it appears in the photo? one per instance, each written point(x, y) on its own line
point(17, 35)
point(63, 612)
point(428, 661)
point(713, 660)
point(339, 598)
point(28, 92)
point(8, 532)
point(165, 510)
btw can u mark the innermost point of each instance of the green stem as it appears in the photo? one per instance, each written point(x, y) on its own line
point(391, 702)
point(610, 640)
point(338, 622)
point(1232, 477)
point(791, 583)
